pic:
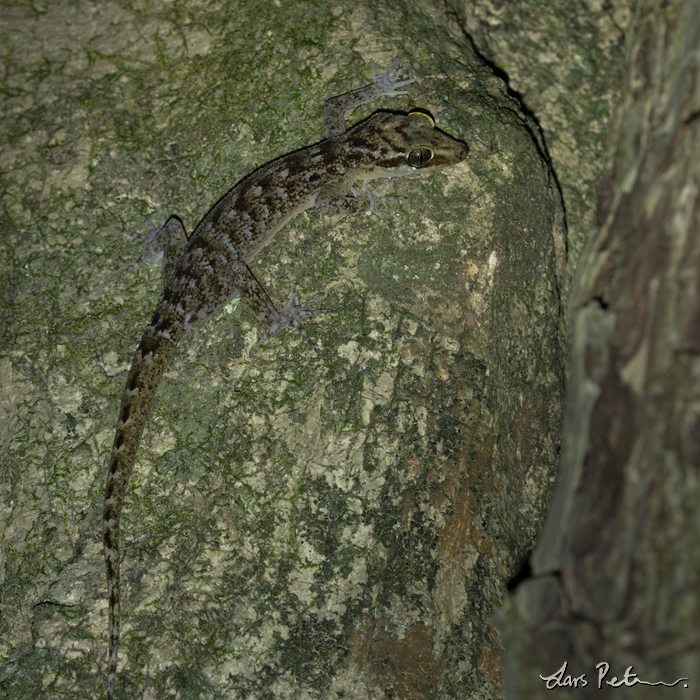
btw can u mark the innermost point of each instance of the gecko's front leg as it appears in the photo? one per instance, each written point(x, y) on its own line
point(334, 200)
point(336, 108)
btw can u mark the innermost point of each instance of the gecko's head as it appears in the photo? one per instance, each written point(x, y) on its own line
point(400, 144)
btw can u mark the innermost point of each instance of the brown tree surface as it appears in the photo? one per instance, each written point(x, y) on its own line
point(615, 574)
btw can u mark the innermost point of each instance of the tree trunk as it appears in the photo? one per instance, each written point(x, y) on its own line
point(615, 574)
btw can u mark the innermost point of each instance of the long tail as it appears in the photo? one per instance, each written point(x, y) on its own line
point(150, 362)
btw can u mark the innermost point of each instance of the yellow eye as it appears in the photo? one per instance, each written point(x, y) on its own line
point(424, 115)
point(419, 156)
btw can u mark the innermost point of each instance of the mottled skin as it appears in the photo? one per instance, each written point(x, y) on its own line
point(203, 273)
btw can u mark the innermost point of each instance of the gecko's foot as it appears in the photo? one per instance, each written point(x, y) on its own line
point(291, 315)
point(370, 197)
point(388, 82)
point(152, 252)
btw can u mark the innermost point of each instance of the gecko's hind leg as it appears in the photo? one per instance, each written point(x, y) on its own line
point(153, 247)
point(166, 241)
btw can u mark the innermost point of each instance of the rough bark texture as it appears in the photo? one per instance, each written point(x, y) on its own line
point(563, 61)
point(616, 574)
point(297, 527)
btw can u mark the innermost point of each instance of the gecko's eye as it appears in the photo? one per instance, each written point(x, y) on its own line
point(418, 157)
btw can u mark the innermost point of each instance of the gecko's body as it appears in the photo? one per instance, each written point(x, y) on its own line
point(202, 274)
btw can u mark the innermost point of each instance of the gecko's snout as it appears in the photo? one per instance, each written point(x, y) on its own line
point(455, 153)
point(461, 151)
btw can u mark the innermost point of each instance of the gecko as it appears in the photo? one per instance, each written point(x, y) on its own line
point(203, 272)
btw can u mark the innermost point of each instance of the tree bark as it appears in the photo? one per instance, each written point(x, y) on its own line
point(615, 573)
